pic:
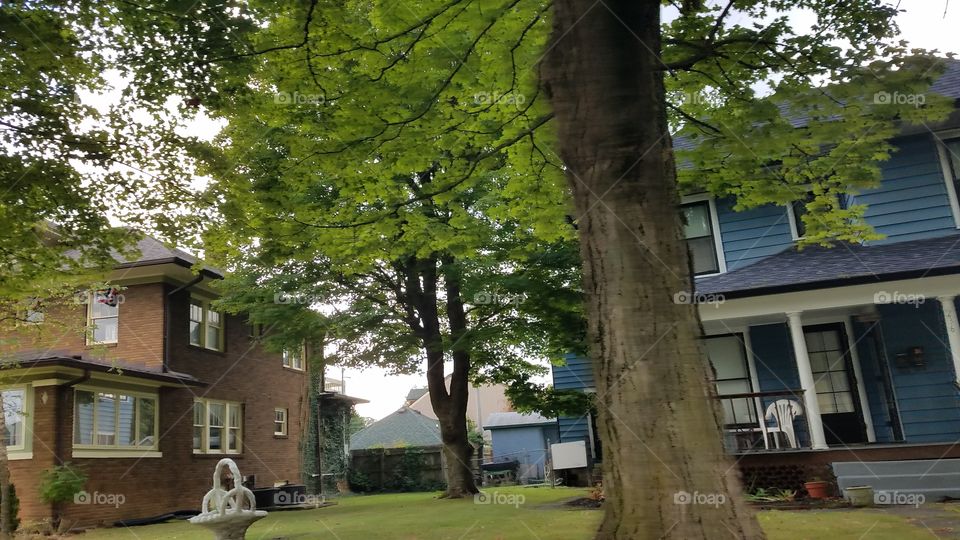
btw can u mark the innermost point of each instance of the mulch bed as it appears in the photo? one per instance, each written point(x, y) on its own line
point(801, 504)
point(584, 502)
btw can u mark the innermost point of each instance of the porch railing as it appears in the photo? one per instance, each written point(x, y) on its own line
point(752, 421)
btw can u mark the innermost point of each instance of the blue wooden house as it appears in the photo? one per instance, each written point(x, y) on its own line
point(842, 360)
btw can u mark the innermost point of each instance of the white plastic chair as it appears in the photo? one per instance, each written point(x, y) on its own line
point(782, 411)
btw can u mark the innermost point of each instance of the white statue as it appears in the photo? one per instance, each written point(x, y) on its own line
point(228, 513)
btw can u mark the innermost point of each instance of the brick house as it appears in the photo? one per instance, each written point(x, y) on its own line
point(151, 398)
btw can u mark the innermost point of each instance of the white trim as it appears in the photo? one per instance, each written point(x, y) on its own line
point(102, 448)
point(714, 225)
point(792, 219)
point(949, 310)
point(286, 422)
point(17, 456)
point(769, 307)
point(225, 437)
point(111, 453)
point(945, 168)
point(754, 378)
point(814, 420)
point(861, 386)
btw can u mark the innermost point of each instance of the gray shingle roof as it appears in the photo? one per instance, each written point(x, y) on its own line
point(817, 267)
point(416, 393)
point(405, 427)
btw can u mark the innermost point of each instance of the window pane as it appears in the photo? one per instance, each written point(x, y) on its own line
point(196, 313)
point(233, 439)
point(822, 384)
point(831, 341)
point(733, 387)
point(726, 355)
point(703, 251)
point(216, 413)
point(147, 426)
point(840, 381)
point(844, 402)
point(213, 318)
point(818, 361)
point(233, 415)
point(106, 422)
point(128, 420)
point(827, 404)
point(216, 438)
point(105, 330)
point(814, 341)
point(953, 152)
point(103, 310)
point(837, 362)
point(13, 414)
point(697, 218)
point(213, 338)
point(83, 418)
point(194, 333)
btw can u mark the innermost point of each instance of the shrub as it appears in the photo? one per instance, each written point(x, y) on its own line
point(61, 483)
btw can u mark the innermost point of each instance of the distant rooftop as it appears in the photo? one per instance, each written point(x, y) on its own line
point(501, 420)
point(405, 427)
point(415, 394)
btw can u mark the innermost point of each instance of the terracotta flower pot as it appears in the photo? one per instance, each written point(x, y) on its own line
point(817, 489)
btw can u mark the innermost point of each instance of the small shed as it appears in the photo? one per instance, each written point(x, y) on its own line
point(523, 439)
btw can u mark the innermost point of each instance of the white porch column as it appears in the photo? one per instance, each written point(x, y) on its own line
point(861, 384)
point(817, 440)
point(953, 331)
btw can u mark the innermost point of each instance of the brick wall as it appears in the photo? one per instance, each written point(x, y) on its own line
point(243, 373)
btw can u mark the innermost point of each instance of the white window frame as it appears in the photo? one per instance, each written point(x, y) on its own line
point(205, 309)
point(25, 431)
point(225, 438)
point(714, 224)
point(296, 362)
point(284, 423)
point(940, 139)
point(91, 322)
point(137, 395)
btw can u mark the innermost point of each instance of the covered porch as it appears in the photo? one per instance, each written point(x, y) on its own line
point(848, 364)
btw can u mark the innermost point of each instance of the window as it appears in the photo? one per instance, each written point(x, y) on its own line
point(217, 427)
point(108, 419)
point(701, 237)
point(798, 209)
point(206, 326)
point(14, 412)
point(728, 357)
point(32, 312)
point(828, 362)
point(949, 149)
point(103, 312)
point(293, 358)
point(280, 421)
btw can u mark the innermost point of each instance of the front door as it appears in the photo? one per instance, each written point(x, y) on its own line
point(835, 384)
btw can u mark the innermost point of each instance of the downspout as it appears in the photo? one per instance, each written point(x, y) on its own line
point(167, 338)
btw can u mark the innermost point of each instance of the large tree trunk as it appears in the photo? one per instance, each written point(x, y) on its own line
point(450, 405)
point(665, 471)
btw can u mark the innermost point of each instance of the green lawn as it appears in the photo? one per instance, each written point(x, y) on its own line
point(540, 516)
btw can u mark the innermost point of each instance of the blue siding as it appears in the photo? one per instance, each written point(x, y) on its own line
point(911, 201)
point(753, 234)
point(872, 366)
point(927, 399)
point(576, 374)
point(526, 444)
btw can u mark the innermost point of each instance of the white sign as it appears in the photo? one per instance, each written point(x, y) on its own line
point(571, 455)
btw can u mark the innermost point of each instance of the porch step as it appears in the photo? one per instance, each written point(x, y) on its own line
point(933, 478)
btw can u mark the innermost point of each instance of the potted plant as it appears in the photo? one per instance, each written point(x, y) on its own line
point(817, 488)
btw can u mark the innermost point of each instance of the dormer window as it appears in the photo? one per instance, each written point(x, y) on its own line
point(206, 325)
point(949, 148)
point(797, 209)
point(700, 231)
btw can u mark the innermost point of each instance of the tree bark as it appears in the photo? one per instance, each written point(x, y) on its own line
point(665, 472)
point(450, 405)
